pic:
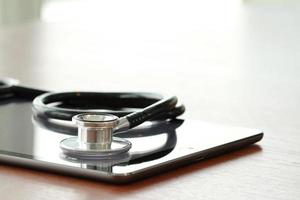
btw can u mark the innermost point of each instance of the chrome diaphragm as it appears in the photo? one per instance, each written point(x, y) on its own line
point(95, 137)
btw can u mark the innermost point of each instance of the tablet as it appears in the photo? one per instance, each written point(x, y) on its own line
point(157, 147)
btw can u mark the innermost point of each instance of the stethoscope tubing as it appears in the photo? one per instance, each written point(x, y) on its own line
point(150, 105)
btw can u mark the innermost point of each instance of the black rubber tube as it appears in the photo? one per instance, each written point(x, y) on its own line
point(138, 107)
point(152, 111)
point(65, 105)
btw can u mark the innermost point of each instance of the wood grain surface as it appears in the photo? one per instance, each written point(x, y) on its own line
point(233, 62)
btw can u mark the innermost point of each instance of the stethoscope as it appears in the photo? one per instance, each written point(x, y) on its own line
point(98, 116)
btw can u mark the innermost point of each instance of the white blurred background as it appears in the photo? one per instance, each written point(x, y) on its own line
point(227, 60)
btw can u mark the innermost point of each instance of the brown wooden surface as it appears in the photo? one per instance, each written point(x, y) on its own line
point(230, 62)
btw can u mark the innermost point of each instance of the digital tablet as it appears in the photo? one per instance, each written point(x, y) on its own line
point(157, 147)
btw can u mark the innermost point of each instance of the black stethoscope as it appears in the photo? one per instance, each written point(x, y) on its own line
point(97, 115)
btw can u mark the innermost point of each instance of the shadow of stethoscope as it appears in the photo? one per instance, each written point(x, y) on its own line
point(106, 164)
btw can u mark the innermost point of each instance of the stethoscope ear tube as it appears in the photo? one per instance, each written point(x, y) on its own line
point(26, 92)
point(6, 86)
point(10, 88)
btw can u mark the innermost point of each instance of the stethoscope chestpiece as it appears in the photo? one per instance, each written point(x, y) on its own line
point(95, 137)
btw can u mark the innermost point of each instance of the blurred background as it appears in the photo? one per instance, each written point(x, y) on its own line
point(233, 61)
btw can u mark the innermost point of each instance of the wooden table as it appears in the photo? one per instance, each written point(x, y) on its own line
point(230, 62)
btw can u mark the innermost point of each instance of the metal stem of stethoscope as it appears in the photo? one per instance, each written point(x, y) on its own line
point(95, 136)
